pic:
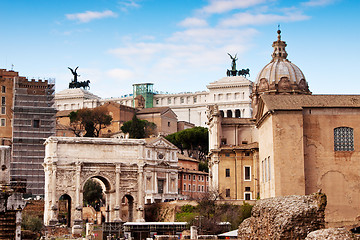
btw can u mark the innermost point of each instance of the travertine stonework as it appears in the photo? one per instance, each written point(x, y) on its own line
point(137, 169)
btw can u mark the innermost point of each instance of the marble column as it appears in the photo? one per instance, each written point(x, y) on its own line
point(117, 207)
point(54, 209)
point(78, 204)
point(141, 197)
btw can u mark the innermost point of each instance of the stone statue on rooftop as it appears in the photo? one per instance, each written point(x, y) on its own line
point(75, 84)
point(233, 64)
point(76, 75)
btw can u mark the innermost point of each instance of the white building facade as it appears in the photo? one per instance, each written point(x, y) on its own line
point(231, 94)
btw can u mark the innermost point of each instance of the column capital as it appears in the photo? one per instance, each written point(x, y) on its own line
point(118, 168)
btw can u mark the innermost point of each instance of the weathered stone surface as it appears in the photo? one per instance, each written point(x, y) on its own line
point(330, 234)
point(289, 217)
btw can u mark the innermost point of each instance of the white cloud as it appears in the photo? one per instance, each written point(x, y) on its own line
point(222, 6)
point(193, 22)
point(316, 3)
point(120, 74)
point(245, 19)
point(196, 52)
point(126, 4)
point(90, 15)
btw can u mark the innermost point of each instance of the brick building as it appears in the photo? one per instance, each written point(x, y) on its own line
point(192, 182)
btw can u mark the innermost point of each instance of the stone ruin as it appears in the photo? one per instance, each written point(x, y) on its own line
point(289, 217)
point(11, 202)
point(331, 234)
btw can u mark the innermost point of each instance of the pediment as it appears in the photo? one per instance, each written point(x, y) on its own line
point(161, 142)
point(163, 164)
point(261, 111)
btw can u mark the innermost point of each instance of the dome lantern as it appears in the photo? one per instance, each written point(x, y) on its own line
point(279, 48)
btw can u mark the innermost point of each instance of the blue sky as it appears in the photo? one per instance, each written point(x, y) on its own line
point(179, 45)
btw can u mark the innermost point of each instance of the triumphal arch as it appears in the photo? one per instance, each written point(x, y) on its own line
point(136, 170)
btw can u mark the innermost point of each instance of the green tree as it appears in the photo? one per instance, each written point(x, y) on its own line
point(138, 128)
point(209, 213)
point(90, 121)
point(32, 223)
point(195, 141)
point(92, 192)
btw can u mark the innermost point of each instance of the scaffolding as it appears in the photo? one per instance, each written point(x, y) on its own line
point(33, 122)
point(145, 90)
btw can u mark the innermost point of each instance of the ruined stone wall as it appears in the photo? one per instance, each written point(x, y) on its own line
point(289, 217)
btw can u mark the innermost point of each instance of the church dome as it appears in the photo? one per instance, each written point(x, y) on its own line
point(280, 75)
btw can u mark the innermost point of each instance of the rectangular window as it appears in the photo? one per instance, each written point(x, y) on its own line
point(169, 100)
point(247, 173)
point(247, 189)
point(36, 123)
point(3, 102)
point(202, 188)
point(189, 177)
point(184, 177)
point(189, 187)
point(199, 188)
point(227, 193)
point(3, 89)
point(182, 100)
point(2, 122)
point(199, 178)
point(194, 177)
point(160, 186)
point(195, 99)
point(3, 110)
point(247, 196)
point(202, 178)
point(263, 170)
point(184, 187)
point(269, 168)
point(227, 172)
point(266, 172)
point(227, 154)
point(168, 124)
point(157, 101)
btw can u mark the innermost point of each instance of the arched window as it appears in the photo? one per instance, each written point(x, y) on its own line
point(222, 113)
point(229, 114)
point(237, 113)
point(343, 139)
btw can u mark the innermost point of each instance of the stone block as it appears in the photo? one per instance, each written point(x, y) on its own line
point(289, 217)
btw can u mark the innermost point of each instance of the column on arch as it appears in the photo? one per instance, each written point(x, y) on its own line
point(141, 190)
point(117, 193)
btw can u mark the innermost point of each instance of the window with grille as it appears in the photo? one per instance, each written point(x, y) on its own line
point(343, 139)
